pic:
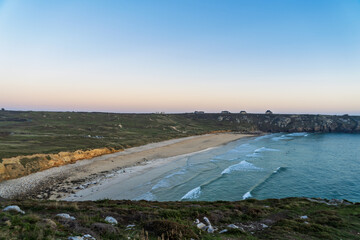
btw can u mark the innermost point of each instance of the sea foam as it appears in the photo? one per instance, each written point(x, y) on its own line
point(146, 196)
point(247, 195)
point(163, 183)
point(298, 134)
point(242, 166)
point(192, 194)
point(265, 149)
point(282, 137)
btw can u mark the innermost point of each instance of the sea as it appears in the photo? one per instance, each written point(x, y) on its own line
point(316, 165)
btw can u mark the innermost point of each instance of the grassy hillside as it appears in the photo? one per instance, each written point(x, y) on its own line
point(23, 133)
point(292, 218)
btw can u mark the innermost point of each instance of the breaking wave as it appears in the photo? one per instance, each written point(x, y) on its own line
point(163, 183)
point(247, 195)
point(192, 194)
point(266, 179)
point(282, 137)
point(298, 134)
point(264, 149)
point(242, 166)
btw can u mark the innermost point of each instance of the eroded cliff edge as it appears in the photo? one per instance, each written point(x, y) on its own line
point(19, 166)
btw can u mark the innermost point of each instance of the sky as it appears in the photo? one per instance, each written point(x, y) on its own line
point(290, 56)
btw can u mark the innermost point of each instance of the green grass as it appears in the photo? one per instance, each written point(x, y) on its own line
point(25, 133)
point(174, 220)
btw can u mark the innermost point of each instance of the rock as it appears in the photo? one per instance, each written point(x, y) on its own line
point(66, 216)
point(264, 225)
point(13, 208)
point(232, 226)
point(75, 238)
point(85, 237)
point(104, 228)
point(201, 226)
point(130, 227)
point(50, 223)
point(88, 237)
point(210, 228)
point(111, 220)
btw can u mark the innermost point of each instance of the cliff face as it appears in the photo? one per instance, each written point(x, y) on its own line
point(19, 166)
point(286, 123)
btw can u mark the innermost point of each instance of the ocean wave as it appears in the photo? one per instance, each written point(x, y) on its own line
point(192, 194)
point(279, 169)
point(282, 137)
point(163, 183)
point(146, 196)
point(247, 195)
point(265, 180)
point(263, 137)
point(265, 149)
point(242, 166)
point(298, 134)
point(253, 155)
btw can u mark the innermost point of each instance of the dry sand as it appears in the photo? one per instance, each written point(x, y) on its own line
point(60, 182)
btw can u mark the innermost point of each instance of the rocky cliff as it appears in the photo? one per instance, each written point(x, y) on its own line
point(19, 166)
point(285, 122)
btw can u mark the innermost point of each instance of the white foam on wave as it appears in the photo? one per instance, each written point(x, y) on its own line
point(242, 166)
point(247, 195)
point(298, 134)
point(192, 194)
point(163, 183)
point(283, 137)
point(277, 170)
point(253, 155)
point(263, 137)
point(146, 196)
point(265, 149)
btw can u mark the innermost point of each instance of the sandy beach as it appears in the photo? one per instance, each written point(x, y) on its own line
point(92, 179)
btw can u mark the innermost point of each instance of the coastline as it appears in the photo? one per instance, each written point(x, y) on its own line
point(59, 182)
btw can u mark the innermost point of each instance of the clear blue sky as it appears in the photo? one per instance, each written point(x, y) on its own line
point(143, 56)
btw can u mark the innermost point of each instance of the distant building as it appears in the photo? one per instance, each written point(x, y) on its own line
point(225, 112)
point(199, 112)
point(268, 112)
point(243, 112)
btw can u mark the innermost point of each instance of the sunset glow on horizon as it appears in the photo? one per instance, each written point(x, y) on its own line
point(181, 56)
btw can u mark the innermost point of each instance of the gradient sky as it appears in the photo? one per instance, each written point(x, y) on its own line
point(290, 56)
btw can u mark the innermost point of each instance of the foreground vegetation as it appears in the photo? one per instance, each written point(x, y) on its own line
point(291, 218)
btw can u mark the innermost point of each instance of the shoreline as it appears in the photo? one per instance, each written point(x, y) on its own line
point(59, 182)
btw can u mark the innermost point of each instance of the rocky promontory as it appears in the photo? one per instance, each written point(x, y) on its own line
point(285, 122)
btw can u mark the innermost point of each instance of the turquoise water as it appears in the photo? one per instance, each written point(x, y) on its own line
point(271, 166)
